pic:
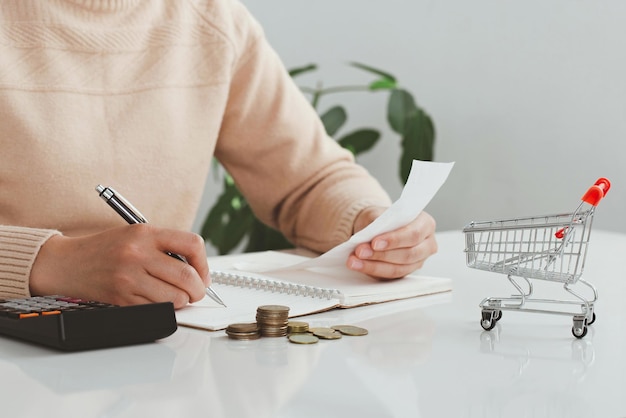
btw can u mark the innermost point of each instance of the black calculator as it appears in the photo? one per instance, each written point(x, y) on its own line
point(72, 324)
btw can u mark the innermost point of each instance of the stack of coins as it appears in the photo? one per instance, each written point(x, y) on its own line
point(272, 320)
point(297, 327)
point(243, 331)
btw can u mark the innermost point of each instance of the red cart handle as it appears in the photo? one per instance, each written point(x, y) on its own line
point(592, 196)
point(597, 191)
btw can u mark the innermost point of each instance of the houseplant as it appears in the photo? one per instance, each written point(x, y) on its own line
point(230, 221)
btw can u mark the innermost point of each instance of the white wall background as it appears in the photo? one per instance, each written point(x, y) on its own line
point(528, 97)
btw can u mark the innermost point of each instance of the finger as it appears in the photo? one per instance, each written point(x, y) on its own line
point(407, 236)
point(176, 273)
point(189, 245)
point(407, 255)
point(148, 256)
point(381, 269)
point(137, 286)
point(154, 290)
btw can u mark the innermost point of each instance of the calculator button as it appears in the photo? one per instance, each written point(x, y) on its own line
point(45, 313)
point(16, 314)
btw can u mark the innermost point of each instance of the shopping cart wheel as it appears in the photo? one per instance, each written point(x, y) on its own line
point(489, 319)
point(579, 332)
point(593, 319)
point(580, 327)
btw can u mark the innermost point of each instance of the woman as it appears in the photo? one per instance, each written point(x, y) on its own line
point(140, 96)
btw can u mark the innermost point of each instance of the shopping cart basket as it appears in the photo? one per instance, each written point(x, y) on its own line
point(551, 248)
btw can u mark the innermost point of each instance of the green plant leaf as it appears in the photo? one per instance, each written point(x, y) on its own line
point(213, 227)
point(333, 119)
point(230, 220)
point(294, 72)
point(223, 201)
point(400, 108)
point(360, 141)
point(417, 142)
point(220, 225)
point(217, 219)
point(236, 229)
point(414, 126)
point(383, 84)
point(262, 237)
point(373, 70)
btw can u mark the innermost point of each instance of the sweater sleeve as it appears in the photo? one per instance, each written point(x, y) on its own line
point(19, 247)
point(295, 177)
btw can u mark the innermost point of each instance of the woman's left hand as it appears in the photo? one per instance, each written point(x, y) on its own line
point(393, 254)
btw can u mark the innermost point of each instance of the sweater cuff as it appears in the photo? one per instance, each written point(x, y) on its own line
point(346, 223)
point(19, 247)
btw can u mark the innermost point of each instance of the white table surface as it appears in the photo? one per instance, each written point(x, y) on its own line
point(424, 357)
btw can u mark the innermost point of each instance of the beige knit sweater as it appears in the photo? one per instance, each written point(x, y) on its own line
point(139, 96)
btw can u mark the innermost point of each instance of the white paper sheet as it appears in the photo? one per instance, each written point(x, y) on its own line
point(424, 181)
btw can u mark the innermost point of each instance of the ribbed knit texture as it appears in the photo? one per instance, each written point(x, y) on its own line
point(18, 249)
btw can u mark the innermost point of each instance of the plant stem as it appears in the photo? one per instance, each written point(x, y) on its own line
point(318, 92)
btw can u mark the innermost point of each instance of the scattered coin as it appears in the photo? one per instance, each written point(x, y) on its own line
point(314, 329)
point(350, 330)
point(327, 333)
point(303, 338)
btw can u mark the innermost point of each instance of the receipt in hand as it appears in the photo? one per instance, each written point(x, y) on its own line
point(424, 181)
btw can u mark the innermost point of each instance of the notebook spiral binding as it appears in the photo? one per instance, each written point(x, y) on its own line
point(264, 284)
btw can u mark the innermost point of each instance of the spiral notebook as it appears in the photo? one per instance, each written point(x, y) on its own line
point(246, 281)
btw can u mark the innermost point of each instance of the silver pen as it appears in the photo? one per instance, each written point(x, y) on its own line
point(131, 215)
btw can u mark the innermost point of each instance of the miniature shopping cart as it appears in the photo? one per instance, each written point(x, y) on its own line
point(550, 248)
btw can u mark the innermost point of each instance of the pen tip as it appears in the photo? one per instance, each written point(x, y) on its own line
point(211, 293)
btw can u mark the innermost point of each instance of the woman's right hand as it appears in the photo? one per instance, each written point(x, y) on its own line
point(124, 266)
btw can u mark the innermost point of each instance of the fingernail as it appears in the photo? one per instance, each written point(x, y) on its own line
point(365, 253)
point(380, 245)
point(356, 264)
